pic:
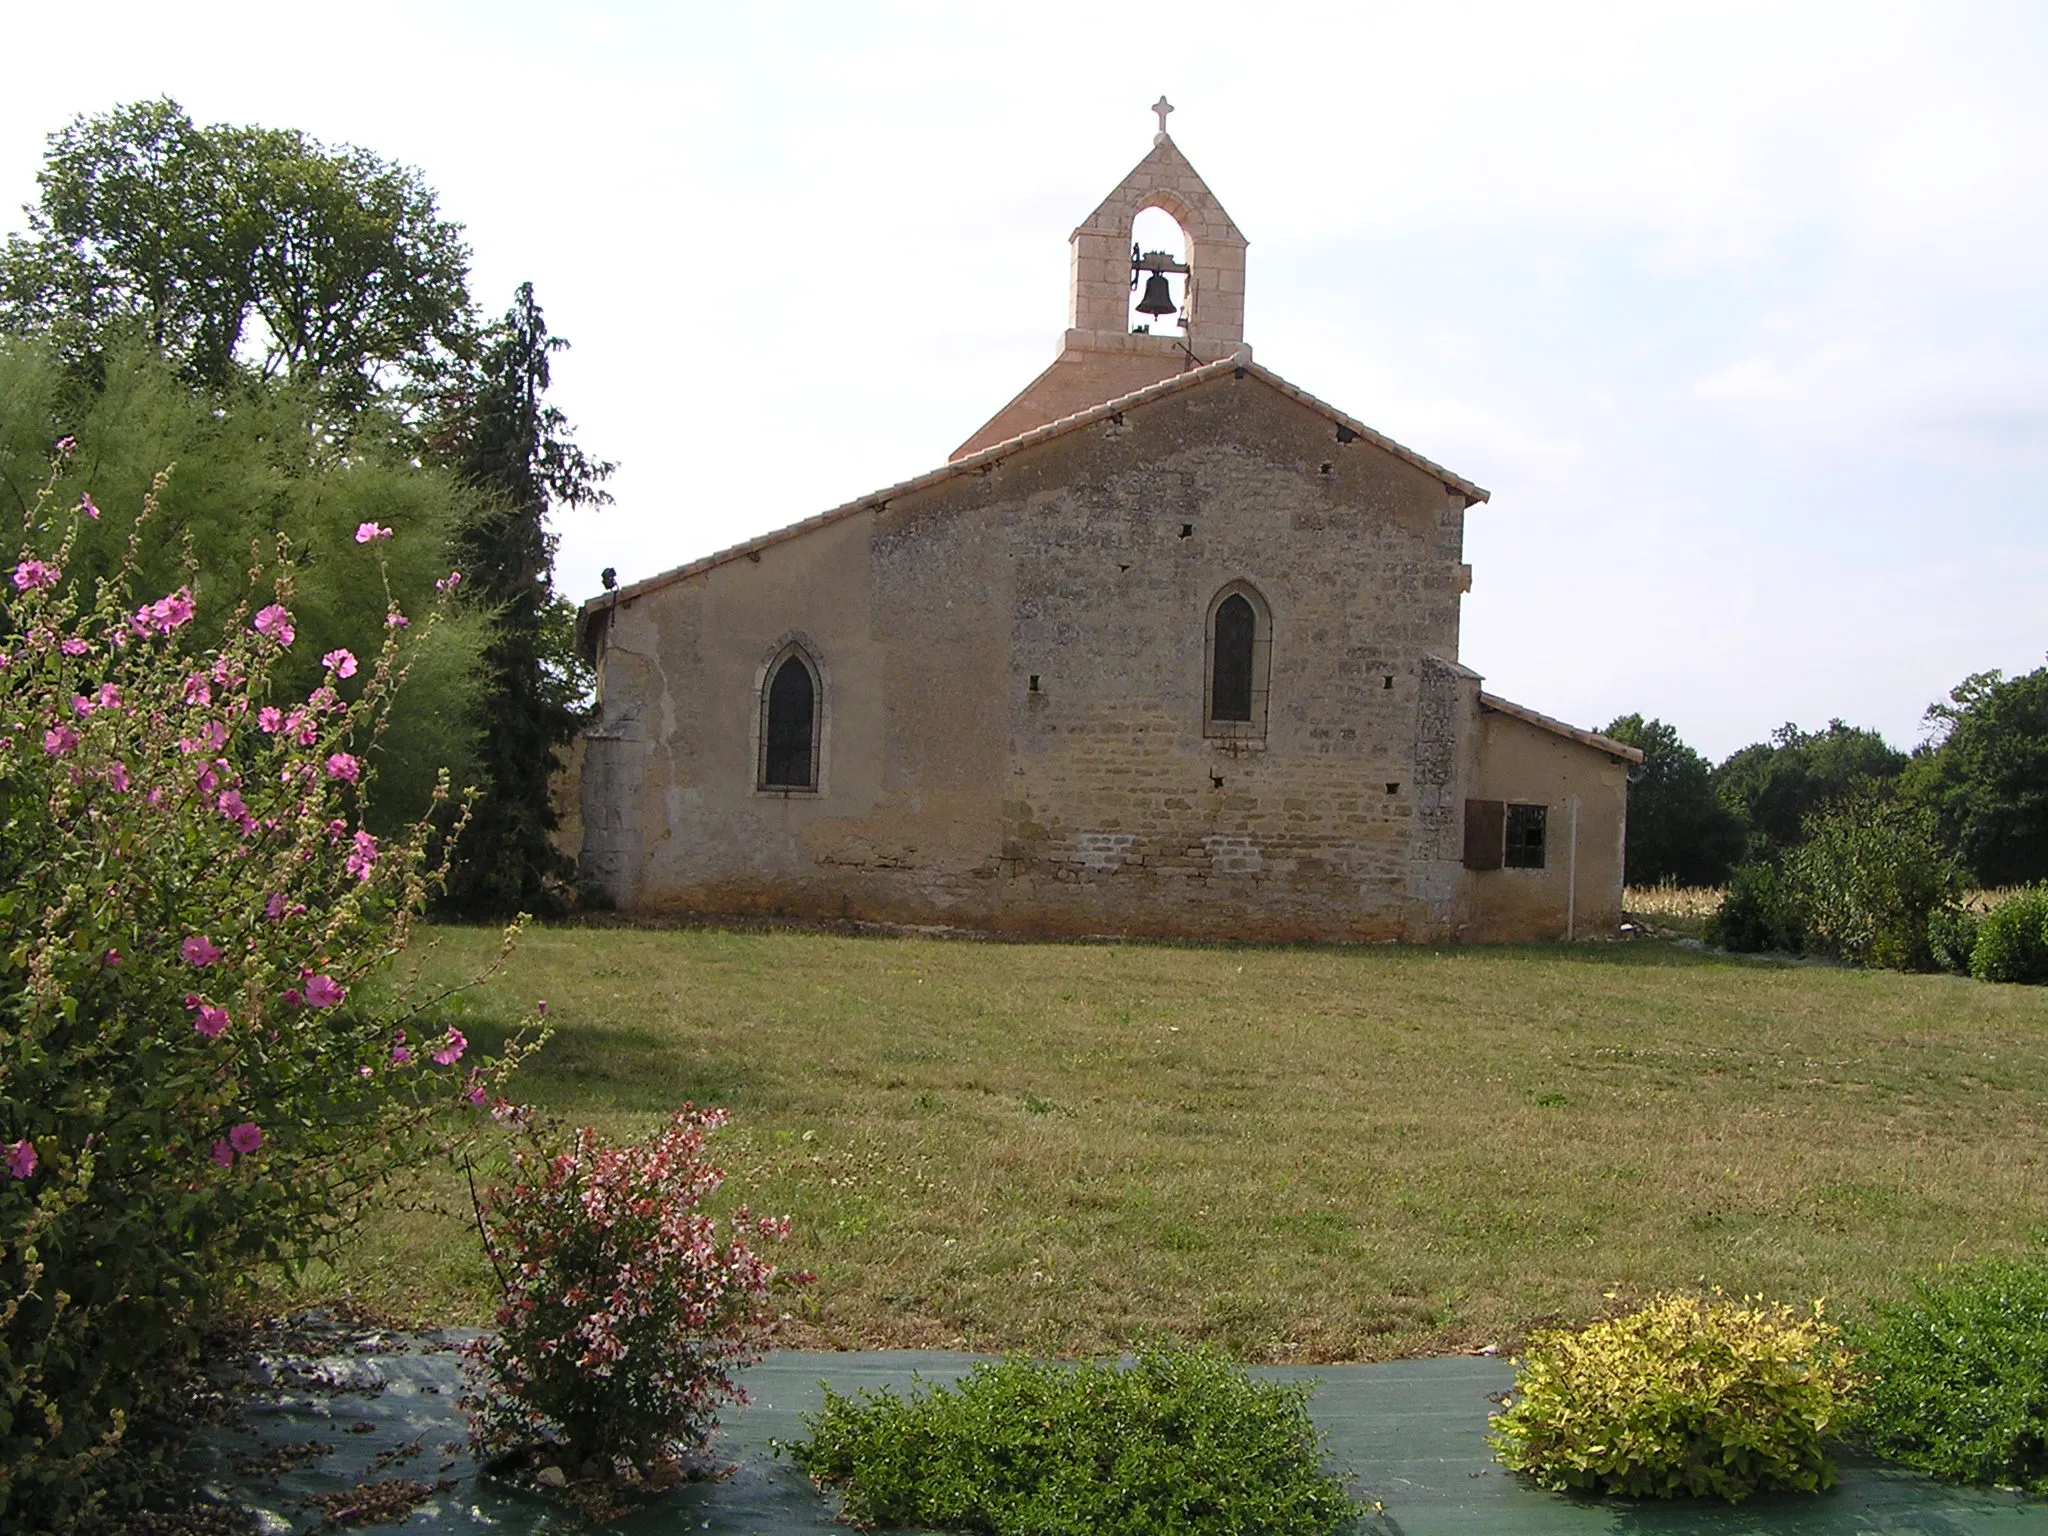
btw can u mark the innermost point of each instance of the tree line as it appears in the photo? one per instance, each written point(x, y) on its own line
point(288, 326)
point(1977, 789)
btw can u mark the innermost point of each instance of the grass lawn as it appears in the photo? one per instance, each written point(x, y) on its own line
point(1298, 1154)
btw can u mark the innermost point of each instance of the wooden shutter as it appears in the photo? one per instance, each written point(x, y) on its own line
point(1485, 833)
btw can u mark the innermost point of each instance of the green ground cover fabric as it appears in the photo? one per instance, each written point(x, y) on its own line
point(1410, 1433)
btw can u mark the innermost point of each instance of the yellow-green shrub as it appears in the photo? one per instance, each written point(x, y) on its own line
point(1685, 1396)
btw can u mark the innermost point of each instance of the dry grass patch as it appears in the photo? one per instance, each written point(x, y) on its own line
point(1292, 1153)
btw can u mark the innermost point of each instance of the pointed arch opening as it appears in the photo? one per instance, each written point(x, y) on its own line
point(1237, 663)
point(792, 719)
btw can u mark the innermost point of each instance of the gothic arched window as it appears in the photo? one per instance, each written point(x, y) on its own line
point(789, 723)
point(1239, 653)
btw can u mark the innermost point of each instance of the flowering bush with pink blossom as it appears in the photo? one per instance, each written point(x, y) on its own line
point(197, 1065)
point(626, 1308)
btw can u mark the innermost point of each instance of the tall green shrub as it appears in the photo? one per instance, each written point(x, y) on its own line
point(252, 464)
point(194, 1079)
point(1868, 877)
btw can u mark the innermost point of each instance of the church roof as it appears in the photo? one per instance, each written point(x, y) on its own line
point(1240, 365)
point(1593, 739)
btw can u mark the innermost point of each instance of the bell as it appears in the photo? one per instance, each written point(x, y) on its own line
point(1157, 300)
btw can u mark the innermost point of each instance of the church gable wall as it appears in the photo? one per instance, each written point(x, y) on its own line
point(1116, 819)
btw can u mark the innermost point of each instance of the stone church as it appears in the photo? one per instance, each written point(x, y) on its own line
point(1168, 647)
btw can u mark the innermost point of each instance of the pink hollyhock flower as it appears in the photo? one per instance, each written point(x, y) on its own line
point(273, 907)
point(81, 706)
point(196, 689)
point(200, 951)
point(340, 663)
point(293, 997)
point(324, 697)
point(370, 533)
point(74, 646)
point(275, 623)
point(109, 696)
point(473, 1090)
point(117, 775)
point(324, 991)
point(59, 739)
point(451, 1053)
point(31, 574)
point(397, 621)
point(214, 733)
point(449, 582)
point(342, 766)
point(269, 718)
point(231, 806)
point(400, 1055)
point(302, 727)
point(363, 858)
point(85, 505)
point(165, 614)
point(246, 1137)
point(210, 1021)
point(21, 1159)
point(224, 1154)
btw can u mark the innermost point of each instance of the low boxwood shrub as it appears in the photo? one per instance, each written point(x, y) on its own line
point(2012, 940)
point(1956, 1378)
point(1685, 1396)
point(1178, 1441)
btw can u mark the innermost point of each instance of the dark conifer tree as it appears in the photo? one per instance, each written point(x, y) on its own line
point(506, 441)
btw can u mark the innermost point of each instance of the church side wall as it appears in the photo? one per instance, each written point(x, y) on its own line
point(1523, 764)
point(906, 815)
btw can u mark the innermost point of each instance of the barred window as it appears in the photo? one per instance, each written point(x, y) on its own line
point(789, 736)
point(1230, 689)
point(1526, 825)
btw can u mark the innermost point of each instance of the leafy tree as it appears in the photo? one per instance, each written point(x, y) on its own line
point(225, 248)
point(517, 451)
point(1987, 778)
point(1775, 786)
point(248, 467)
point(1678, 828)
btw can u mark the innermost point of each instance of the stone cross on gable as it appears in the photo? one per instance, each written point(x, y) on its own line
point(1161, 107)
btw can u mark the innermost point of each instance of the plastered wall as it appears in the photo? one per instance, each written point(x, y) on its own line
point(1520, 762)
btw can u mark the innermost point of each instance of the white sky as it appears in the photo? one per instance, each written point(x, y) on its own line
point(1738, 309)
